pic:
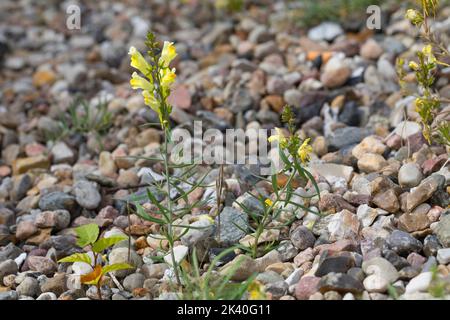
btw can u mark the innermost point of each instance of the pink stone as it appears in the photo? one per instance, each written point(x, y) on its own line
point(34, 149)
point(415, 259)
point(108, 212)
point(340, 245)
point(180, 97)
point(306, 287)
point(394, 142)
point(433, 165)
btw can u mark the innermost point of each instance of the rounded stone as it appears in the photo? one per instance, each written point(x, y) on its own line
point(410, 175)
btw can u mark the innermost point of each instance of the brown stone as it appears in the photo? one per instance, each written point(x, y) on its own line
point(23, 165)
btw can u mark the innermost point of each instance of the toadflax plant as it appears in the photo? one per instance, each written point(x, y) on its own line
point(87, 236)
point(155, 83)
point(428, 102)
point(294, 153)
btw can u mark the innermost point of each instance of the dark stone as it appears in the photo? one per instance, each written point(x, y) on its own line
point(356, 273)
point(397, 261)
point(431, 245)
point(408, 273)
point(10, 251)
point(64, 245)
point(403, 243)
point(57, 200)
point(302, 238)
point(343, 137)
point(214, 252)
point(339, 264)
point(350, 114)
point(341, 283)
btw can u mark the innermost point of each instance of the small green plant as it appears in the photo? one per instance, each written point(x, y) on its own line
point(82, 118)
point(211, 286)
point(294, 153)
point(438, 287)
point(230, 5)
point(88, 236)
point(428, 102)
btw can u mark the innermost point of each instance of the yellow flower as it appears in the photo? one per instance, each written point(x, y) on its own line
point(206, 217)
point(428, 52)
point(167, 77)
point(256, 291)
point(268, 202)
point(138, 82)
point(414, 16)
point(278, 137)
point(149, 99)
point(310, 224)
point(168, 54)
point(413, 65)
point(138, 61)
point(304, 152)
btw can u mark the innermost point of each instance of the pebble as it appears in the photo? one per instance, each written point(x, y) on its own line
point(179, 253)
point(419, 283)
point(28, 287)
point(120, 255)
point(133, 281)
point(87, 195)
point(442, 230)
point(43, 265)
point(7, 267)
point(58, 219)
point(302, 238)
point(403, 243)
point(233, 224)
point(443, 256)
point(340, 282)
point(325, 31)
point(306, 287)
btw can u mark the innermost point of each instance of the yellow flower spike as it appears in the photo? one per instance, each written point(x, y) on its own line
point(138, 82)
point(304, 152)
point(268, 202)
point(168, 53)
point(279, 136)
point(138, 61)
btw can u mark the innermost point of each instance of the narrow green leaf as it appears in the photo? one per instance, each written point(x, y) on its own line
point(140, 211)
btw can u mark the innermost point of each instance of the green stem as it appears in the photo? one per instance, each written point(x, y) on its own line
point(169, 206)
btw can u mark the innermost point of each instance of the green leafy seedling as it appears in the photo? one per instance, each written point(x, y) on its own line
point(87, 235)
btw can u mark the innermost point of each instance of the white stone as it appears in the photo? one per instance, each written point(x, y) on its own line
point(419, 283)
point(179, 252)
point(375, 283)
point(294, 277)
point(366, 215)
point(380, 267)
point(407, 128)
point(331, 171)
point(443, 256)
